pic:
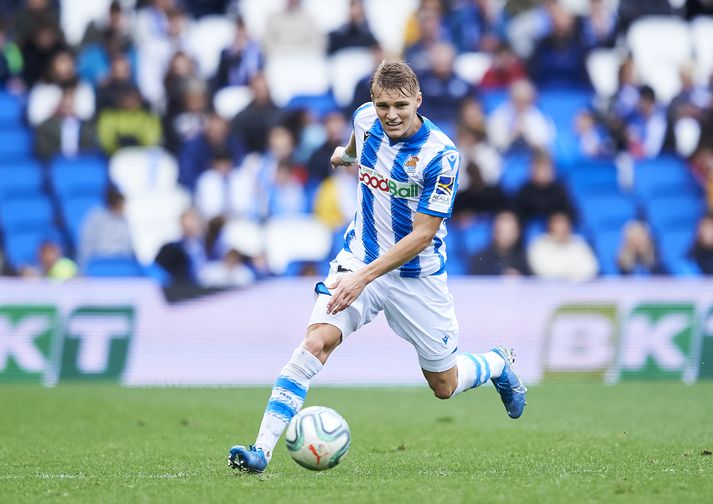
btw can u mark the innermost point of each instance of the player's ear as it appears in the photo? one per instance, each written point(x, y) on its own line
point(419, 99)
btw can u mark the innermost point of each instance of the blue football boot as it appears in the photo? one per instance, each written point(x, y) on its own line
point(249, 459)
point(509, 385)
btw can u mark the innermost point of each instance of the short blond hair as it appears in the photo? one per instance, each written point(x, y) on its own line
point(395, 75)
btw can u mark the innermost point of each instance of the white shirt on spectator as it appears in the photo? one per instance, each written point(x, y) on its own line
point(552, 259)
point(505, 125)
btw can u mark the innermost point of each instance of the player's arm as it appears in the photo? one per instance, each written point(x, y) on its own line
point(345, 156)
point(348, 287)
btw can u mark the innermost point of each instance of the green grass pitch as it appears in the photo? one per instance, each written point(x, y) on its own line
point(577, 442)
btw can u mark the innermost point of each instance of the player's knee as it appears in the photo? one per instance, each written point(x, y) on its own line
point(443, 390)
point(321, 339)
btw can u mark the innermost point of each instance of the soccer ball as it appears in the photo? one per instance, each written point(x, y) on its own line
point(317, 438)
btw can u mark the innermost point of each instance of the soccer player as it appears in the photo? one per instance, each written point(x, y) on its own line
point(394, 259)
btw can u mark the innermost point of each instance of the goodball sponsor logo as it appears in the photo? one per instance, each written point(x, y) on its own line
point(380, 183)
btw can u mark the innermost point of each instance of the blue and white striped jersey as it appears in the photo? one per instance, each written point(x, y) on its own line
point(396, 180)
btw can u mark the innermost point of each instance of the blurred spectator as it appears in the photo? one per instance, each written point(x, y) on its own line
point(646, 127)
point(240, 61)
point(471, 117)
point(188, 123)
point(505, 254)
point(702, 249)
point(476, 197)
point(196, 154)
point(5, 268)
point(64, 133)
point(559, 58)
point(38, 49)
point(477, 25)
point(621, 105)
point(152, 21)
point(52, 263)
point(474, 148)
point(695, 8)
point(702, 166)
point(591, 141)
point(518, 123)
point(505, 69)
point(231, 271)
point(118, 79)
point(46, 94)
point(354, 33)
point(362, 90)
point(560, 255)
point(431, 33)
point(533, 22)
point(10, 61)
point(36, 15)
point(336, 199)
point(598, 27)
point(307, 132)
point(412, 31)
point(200, 8)
point(184, 258)
point(319, 165)
point(129, 124)
point(542, 195)
point(286, 192)
point(293, 30)
point(256, 177)
point(630, 10)
point(215, 188)
point(254, 121)
point(94, 60)
point(181, 74)
point(692, 102)
point(637, 254)
point(105, 231)
point(442, 90)
point(115, 25)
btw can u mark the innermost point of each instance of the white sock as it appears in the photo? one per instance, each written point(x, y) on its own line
point(476, 369)
point(288, 395)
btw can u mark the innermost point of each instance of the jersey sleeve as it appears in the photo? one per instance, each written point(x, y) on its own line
point(440, 183)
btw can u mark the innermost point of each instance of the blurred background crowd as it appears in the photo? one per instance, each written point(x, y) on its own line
point(189, 140)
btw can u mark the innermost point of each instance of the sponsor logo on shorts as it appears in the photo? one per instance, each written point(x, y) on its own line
point(379, 182)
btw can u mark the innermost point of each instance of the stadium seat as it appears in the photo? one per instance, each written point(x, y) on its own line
point(606, 211)
point(231, 100)
point(82, 176)
point(456, 265)
point(533, 229)
point(702, 39)
point(245, 236)
point(476, 236)
point(137, 171)
point(113, 267)
point(10, 110)
point(471, 66)
point(387, 21)
point(516, 171)
point(206, 39)
point(603, 67)
point(21, 245)
point(658, 176)
point(493, 99)
point(256, 12)
point(75, 15)
point(287, 77)
point(319, 105)
point(15, 144)
point(26, 214)
point(674, 212)
point(593, 178)
point(328, 14)
point(75, 210)
point(673, 246)
point(346, 68)
point(606, 246)
point(154, 219)
point(660, 45)
point(563, 105)
point(291, 239)
point(21, 180)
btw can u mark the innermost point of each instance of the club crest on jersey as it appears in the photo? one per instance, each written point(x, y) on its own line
point(445, 185)
point(411, 163)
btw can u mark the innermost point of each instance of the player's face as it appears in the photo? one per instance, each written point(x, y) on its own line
point(397, 112)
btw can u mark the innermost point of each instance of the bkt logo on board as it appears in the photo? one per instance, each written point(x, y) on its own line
point(38, 343)
point(652, 340)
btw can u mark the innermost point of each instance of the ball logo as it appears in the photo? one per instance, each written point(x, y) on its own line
point(376, 181)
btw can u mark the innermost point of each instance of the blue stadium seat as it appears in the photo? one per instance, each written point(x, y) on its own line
point(673, 246)
point(533, 229)
point(456, 265)
point(320, 105)
point(563, 105)
point(21, 246)
point(15, 143)
point(493, 99)
point(82, 176)
point(669, 213)
point(516, 171)
point(22, 180)
point(606, 211)
point(75, 210)
point(114, 267)
point(606, 246)
point(476, 237)
point(10, 110)
point(659, 176)
point(26, 214)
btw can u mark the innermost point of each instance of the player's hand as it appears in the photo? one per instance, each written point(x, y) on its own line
point(337, 160)
point(345, 289)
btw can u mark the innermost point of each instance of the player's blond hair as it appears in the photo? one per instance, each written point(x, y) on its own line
point(394, 75)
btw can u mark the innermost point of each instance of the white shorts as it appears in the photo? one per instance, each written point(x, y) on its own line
point(419, 310)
